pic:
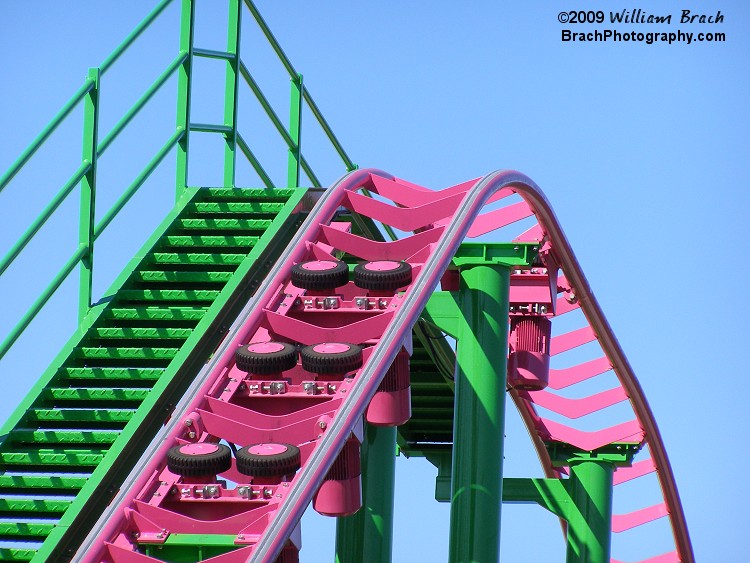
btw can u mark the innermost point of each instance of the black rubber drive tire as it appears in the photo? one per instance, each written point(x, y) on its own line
point(199, 464)
point(331, 362)
point(273, 464)
point(389, 279)
point(263, 358)
point(320, 279)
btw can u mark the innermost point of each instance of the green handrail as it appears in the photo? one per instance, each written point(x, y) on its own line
point(93, 149)
point(130, 39)
point(306, 95)
point(44, 135)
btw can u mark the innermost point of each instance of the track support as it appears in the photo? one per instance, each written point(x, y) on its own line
point(477, 316)
point(368, 534)
point(589, 488)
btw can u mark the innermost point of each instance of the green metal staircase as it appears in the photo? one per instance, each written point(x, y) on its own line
point(79, 430)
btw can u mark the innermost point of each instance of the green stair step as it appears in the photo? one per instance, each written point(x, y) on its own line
point(131, 333)
point(168, 294)
point(25, 529)
point(184, 277)
point(212, 241)
point(80, 415)
point(43, 483)
point(198, 258)
point(63, 437)
point(34, 505)
point(225, 224)
point(235, 207)
point(16, 554)
point(87, 458)
point(96, 394)
point(146, 354)
point(265, 194)
point(122, 374)
point(157, 313)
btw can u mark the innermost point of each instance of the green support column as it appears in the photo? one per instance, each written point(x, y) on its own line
point(479, 415)
point(88, 193)
point(368, 534)
point(590, 486)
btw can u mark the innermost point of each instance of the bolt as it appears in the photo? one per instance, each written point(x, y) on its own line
point(322, 425)
point(189, 422)
point(191, 435)
point(210, 491)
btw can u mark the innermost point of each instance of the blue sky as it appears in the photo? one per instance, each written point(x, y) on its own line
point(641, 149)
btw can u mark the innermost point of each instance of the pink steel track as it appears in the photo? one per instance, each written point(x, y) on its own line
point(220, 405)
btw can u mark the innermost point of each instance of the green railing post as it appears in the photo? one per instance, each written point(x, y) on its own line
point(231, 91)
point(88, 193)
point(295, 131)
point(184, 84)
point(368, 534)
point(479, 415)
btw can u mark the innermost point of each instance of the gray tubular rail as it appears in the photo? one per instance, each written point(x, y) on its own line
point(595, 316)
